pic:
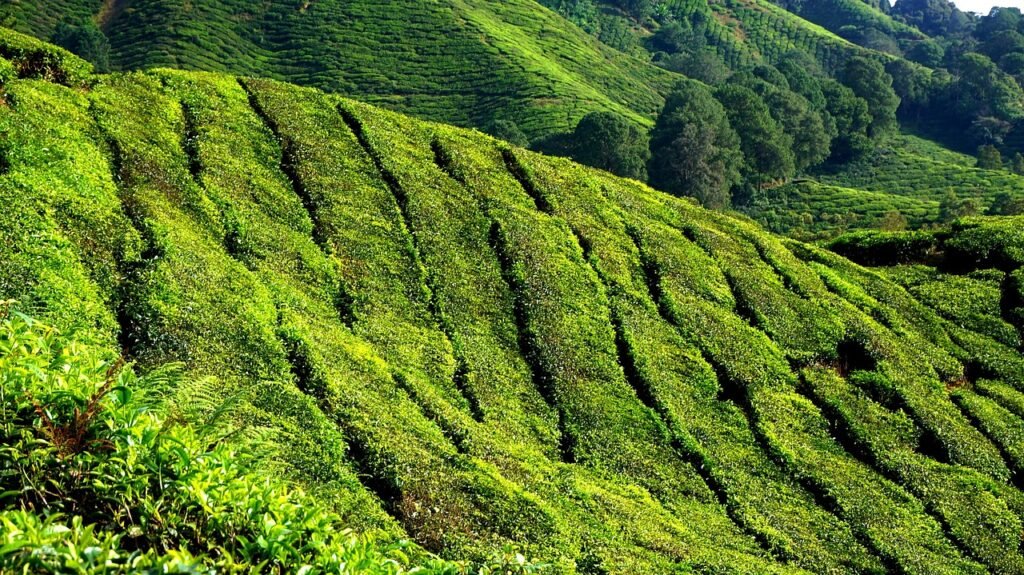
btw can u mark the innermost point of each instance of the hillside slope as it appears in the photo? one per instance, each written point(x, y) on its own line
point(468, 62)
point(906, 174)
point(475, 344)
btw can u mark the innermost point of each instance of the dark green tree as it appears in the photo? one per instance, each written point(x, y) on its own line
point(1013, 64)
point(952, 208)
point(811, 141)
point(1018, 164)
point(933, 17)
point(989, 158)
point(913, 85)
point(981, 89)
point(639, 9)
point(852, 119)
point(608, 141)
point(997, 21)
point(86, 40)
point(926, 52)
point(704, 65)
point(771, 75)
point(988, 130)
point(869, 80)
point(767, 149)
point(694, 150)
point(509, 131)
point(893, 221)
point(1005, 204)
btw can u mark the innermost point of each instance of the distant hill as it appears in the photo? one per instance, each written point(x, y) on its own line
point(463, 342)
point(469, 62)
point(908, 174)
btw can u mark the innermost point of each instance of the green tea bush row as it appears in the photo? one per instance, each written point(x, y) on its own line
point(999, 423)
point(982, 515)
point(101, 478)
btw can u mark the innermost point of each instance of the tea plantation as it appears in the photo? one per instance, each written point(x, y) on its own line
point(470, 62)
point(907, 174)
point(344, 317)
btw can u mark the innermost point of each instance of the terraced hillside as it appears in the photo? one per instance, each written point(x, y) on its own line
point(835, 14)
point(907, 174)
point(768, 32)
point(468, 62)
point(474, 344)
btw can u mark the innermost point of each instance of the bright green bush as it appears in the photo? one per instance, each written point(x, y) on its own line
point(35, 59)
point(100, 476)
point(7, 72)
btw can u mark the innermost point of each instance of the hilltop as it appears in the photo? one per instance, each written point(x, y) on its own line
point(470, 344)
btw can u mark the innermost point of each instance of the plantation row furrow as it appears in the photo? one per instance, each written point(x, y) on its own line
point(768, 385)
point(471, 345)
point(943, 488)
point(627, 322)
point(475, 307)
point(980, 515)
point(480, 441)
point(377, 258)
point(427, 280)
point(916, 388)
point(567, 313)
point(404, 457)
point(288, 162)
point(672, 379)
point(163, 296)
point(999, 424)
point(626, 315)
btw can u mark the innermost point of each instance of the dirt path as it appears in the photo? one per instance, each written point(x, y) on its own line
point(109, 12)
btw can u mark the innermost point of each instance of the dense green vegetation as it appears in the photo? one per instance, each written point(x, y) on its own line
point(106, 472)
point(590, 80)
point(907, 175)
point(350, 318)
point(470, 62)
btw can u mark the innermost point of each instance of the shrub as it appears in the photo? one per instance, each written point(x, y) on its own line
point(35, 59)
point(100, 476)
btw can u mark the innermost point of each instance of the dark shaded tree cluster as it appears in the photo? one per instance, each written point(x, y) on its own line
point(86, 40)
point(723, 145)
point(608, 141)
point(695, 151)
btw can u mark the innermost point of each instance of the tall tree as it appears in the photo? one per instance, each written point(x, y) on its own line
point(509, 131)
point(869, 80)
point(811, 141)
point(933, 17)
point(608, 141)
point(86, 40)
point(852, 119)
point(767, 149)
point(1005, 204)
point(694, 150)
point(981, 89)
point(989, 158)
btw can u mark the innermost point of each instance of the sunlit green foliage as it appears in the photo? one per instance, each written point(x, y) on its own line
point(106, 472)
point(452, 340)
